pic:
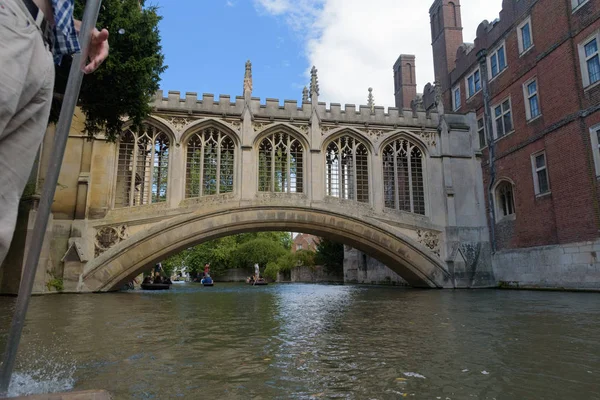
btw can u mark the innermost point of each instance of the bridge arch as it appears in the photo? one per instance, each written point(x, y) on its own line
point(414, 262)
point(200, 125)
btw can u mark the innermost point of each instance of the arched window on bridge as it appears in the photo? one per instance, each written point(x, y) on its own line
point(210, 163)
point(403, 185)
point(142, 167)
point(280, 164)
point(347, 169)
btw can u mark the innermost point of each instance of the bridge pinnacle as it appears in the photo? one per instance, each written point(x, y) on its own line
point(371, 101)
point(305, 95)
point(248, 79)
point(314, 83)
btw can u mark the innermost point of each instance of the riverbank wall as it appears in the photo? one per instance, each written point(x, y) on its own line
point(316, 274)
point(361, 268)
point(574, 266)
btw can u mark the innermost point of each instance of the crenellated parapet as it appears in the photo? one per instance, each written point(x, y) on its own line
point(289, 110)
point(489, 34)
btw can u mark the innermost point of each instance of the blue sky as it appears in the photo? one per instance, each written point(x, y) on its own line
point(207, 43)
point(353, 43)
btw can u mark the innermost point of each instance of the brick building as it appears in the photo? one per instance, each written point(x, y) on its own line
point(533, 79)
point(304, 241)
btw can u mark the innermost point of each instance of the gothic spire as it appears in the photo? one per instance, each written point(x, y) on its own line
point(305, 95)
point(371, 101)
point(248, 79)
point(314, 83)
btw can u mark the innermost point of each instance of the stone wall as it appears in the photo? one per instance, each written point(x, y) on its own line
point(316, 274)
point(572, 266)
point(233, 275)
point(361, 268)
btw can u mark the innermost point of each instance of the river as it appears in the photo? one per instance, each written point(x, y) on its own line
point(296, 341)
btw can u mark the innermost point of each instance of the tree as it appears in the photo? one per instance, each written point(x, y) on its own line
point(330, 254)
point(125, 84)
point(258, 251)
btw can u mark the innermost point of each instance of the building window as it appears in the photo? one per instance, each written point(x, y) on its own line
point(347, 169)
point(532, 104)
point(540, 173)
point(142, 167)
point(502, 119)
point(473, 83)
point(525, 36)
point(481, 132)
point(595, 136)
point(209, 164)
point(280, 164)
point(505, 203)
point(497, 61)
point(298, 247)
point(403, 183)
point(577, 3)
point(590, 61)
point(456, 98)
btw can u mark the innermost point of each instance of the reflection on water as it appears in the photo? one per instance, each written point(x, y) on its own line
point(312, 341)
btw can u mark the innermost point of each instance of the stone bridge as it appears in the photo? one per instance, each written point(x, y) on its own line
point(403, 186)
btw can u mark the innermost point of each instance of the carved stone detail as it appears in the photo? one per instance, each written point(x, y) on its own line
point(375, 133)
point(259, 126)
point(108, 237)
point(325, 129)
point(302, 128)
point(430, 240)
point(179, 122)
point(428, 137)
point(236, 125)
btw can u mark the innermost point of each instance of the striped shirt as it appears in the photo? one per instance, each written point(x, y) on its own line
point(65, 35)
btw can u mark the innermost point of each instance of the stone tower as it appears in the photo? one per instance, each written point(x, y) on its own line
point(446, 37)
point(405, 81)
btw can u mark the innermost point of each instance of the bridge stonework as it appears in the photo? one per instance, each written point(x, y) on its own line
point(403, 186)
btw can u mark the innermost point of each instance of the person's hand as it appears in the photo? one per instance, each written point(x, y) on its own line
point(98, 50)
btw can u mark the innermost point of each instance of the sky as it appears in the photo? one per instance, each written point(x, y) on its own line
point(353, 44)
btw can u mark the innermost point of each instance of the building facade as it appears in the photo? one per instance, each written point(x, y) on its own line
point(532, 77)
point(304, 241)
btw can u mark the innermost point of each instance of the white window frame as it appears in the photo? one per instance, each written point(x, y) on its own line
point(299, 247)
point(493, 53)
point(484, 144)
point(535, 170)
point(527, 97)
point(456, 105)
point(577, 5)
point(468, 95)
point(594, 132)
point(585, 74)
point(512, 119)
point(523, 50)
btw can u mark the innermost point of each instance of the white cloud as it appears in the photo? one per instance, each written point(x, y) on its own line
point(354, 43)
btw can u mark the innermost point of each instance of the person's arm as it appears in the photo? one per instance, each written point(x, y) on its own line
point(98, 48)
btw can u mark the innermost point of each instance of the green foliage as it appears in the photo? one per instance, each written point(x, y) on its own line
point(257, 251)
point(56, 284)
point(236, 251)
point(330, 255)
point(125, 84)
point(302, 258)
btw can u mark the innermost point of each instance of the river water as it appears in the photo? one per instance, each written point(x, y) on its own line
point(312, 341)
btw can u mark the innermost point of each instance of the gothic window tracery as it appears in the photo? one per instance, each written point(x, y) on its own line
point(142, 167)
point(280, 164)
point(210, 163)
point(403, 182)
point(347, 169)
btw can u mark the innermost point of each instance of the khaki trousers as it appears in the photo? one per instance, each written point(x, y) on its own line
point(26, 84)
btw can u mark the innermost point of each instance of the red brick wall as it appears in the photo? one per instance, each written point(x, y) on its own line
point(570, 213)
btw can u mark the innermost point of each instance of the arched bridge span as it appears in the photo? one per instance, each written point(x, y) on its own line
point(418, 265)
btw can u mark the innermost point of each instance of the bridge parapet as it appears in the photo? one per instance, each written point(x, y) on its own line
point(290, 111)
